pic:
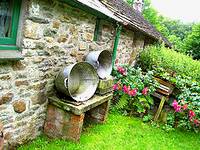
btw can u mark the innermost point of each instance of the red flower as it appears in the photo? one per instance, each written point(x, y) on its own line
point(191, 114)
point(126, 89)
point(121, 70)
point(196, 122)
point(145, 91)
point(116, 87)
point(133, 92)
point(185, 106)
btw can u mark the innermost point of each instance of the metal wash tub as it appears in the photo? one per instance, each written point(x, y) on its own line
point(102, 61)
point(78, 81)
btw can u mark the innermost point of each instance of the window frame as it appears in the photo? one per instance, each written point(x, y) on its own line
point(9, 43)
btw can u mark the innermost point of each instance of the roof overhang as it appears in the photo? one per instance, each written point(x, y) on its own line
point(98, 6)
point(102, 10)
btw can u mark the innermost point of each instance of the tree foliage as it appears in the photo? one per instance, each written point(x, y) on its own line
point(174, 30)
point(192, 42)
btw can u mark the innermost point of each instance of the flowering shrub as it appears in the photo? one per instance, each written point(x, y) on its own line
point(191, 95)
point(132, 89)
point(186, 115)
point(183, 72)
point(187, 90)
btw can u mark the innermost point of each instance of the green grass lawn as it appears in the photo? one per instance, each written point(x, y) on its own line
point(122, 133)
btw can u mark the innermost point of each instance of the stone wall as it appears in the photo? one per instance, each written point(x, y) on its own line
point(130, 45)
point(125, 46)
point(138, 46)
point(106, 36)
point(53, 35)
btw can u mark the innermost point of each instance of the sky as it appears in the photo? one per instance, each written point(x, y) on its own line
point(184, 10)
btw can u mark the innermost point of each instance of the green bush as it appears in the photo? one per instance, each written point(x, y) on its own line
point(160, 57)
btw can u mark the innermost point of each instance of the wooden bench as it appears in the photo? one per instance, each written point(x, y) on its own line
point(162, 92)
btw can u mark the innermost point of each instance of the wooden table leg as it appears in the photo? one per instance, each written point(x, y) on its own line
point(163, 99)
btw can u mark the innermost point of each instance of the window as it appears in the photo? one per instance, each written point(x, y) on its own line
point(9, 19)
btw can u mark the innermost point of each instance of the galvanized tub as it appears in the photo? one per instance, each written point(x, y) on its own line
point(102, 61)
point(78, 81)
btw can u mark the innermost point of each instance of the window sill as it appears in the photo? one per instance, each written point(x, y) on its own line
point(10, 55)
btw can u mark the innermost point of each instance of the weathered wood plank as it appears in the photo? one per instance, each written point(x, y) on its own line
point(171, 86)
point(162, 92)
point(157, 95)
point(165, 87)
point(159, 108)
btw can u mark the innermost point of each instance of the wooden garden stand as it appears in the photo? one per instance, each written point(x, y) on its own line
point(163, 92)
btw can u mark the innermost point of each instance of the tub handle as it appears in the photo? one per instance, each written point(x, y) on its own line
point(65, 82)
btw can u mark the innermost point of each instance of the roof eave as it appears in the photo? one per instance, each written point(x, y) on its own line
point(103, 12)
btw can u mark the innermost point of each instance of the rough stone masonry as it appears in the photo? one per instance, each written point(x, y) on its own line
point(52, 35)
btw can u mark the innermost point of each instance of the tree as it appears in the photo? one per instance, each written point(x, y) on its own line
point(192, 42)
point(174, 30)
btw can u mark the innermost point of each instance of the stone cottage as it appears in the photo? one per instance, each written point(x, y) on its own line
point(37, 38)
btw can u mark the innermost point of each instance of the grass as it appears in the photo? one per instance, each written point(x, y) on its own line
point(122, 133)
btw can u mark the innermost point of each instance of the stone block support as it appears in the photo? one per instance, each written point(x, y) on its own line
point(98, 114)
point(63, 124)
point(65, 118)
point(105, 86)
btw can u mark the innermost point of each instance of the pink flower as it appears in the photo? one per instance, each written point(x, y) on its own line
point(145, 91)
point(133, 92)
point(175, 104)
point(121, 70)
point(178, 108)
point(116, 87)
point(185, 106)
point(126, 89)
point(191, 114)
